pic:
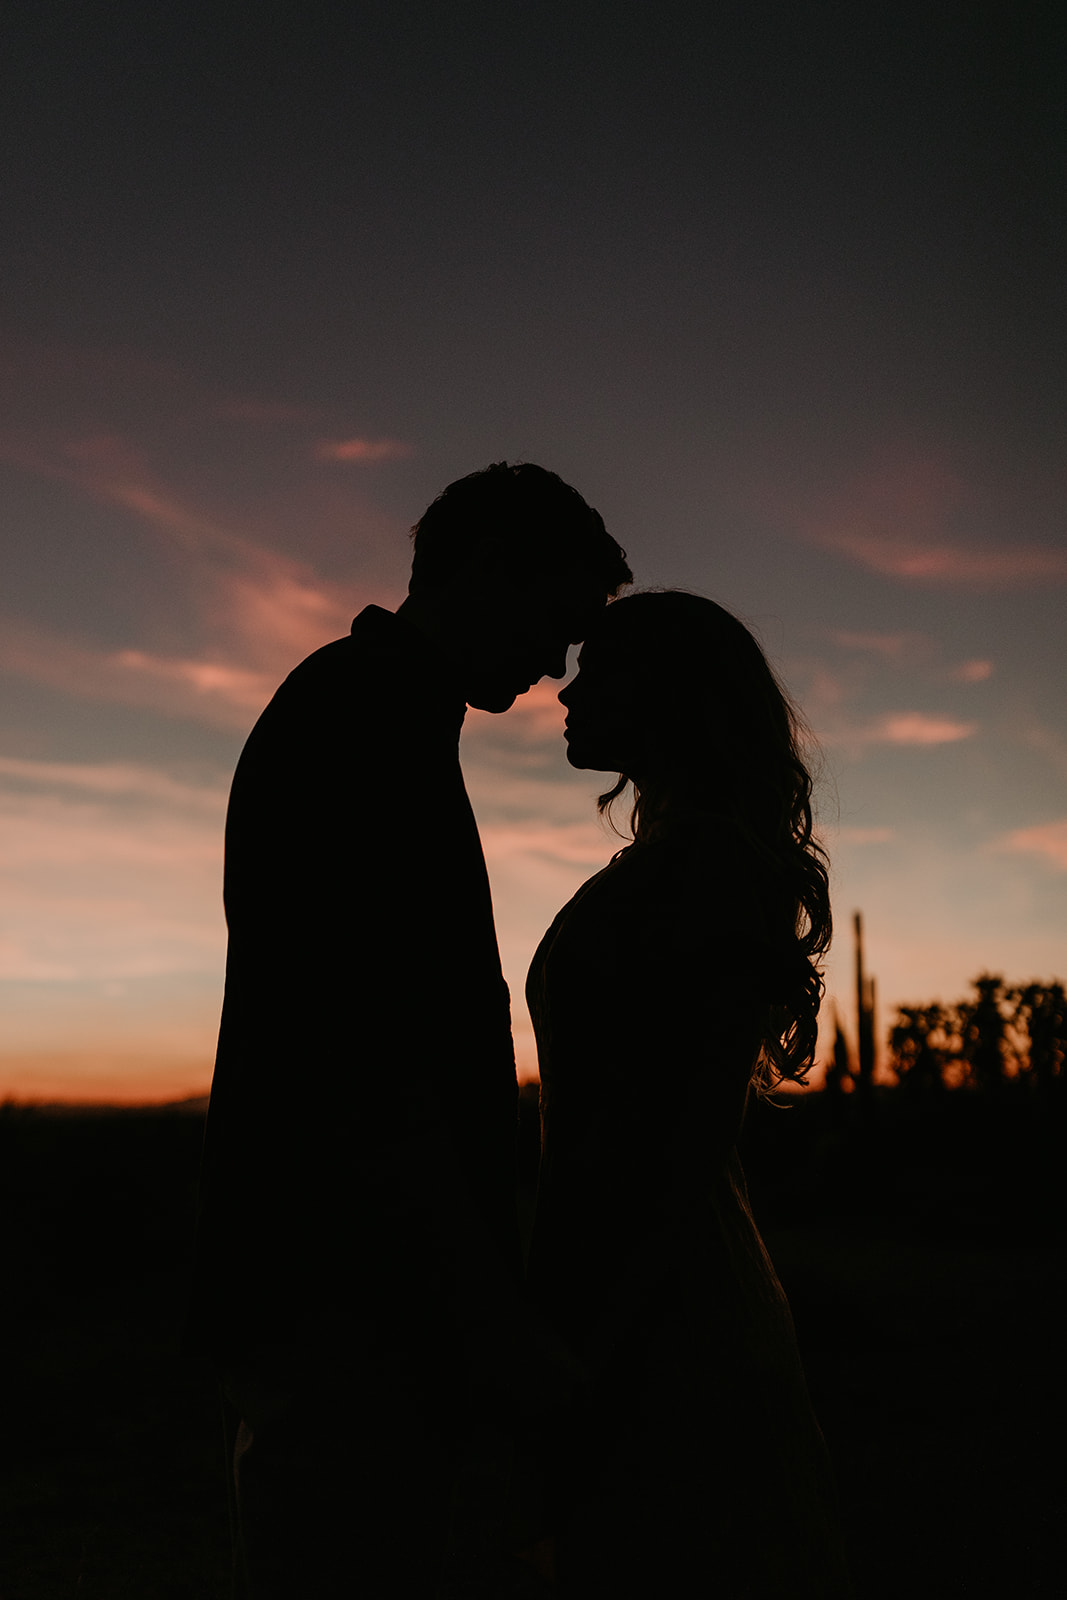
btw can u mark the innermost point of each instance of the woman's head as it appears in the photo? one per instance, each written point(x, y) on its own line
point(676, 696)
point(674, 693)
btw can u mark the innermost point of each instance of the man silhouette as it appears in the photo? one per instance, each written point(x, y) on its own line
point(357, 1249)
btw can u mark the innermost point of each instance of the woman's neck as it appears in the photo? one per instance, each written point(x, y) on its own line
point(665, 807)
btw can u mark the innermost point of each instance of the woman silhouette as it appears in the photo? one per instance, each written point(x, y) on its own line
point(677, 980)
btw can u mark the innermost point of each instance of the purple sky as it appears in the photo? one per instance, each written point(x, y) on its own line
point(779, 288)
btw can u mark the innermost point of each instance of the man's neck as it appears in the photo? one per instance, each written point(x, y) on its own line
point(434, 642)
point(432, 624)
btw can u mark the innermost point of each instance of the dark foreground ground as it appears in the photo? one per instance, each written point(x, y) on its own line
point(919, 1250)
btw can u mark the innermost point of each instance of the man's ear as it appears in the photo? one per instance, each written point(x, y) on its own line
point(488, 561)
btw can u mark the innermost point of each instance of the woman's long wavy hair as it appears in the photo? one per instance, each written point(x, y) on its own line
point(725, 740)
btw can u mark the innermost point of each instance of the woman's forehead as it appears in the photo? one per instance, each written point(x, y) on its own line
point(598, 651)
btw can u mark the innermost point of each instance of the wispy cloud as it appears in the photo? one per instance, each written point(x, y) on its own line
point(898, 556)
point(210, 691)
point(257, 611)
point(908, 651)
point(977, 671)
point(275, 610)
point(235, 688)
point(122, 431)
point(51, 387)
point(115, 780)
point(1046, 839)
point(363, 451)
point(890, 646)
point(826, 688)
point(894, 729)
point(919, 728)
point(910, 516)
point(109, 871)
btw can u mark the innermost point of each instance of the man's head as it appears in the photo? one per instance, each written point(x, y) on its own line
point(510, 567)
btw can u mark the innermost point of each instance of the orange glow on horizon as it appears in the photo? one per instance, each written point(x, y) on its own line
point(101, 1078)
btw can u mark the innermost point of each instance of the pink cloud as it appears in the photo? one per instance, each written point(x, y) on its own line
point(918, 727)
point(218, 693)
point(906, 516)
point(898, 556)
point(1048, 839)
point(362, 450)
point(901, 728)
point(270, 609)
point(277, 611)
point(978, 671)
point(261, 611)
point(109, 467)
point(50, 392)
point(911, 650)
point(234, 687)
point(825, 688)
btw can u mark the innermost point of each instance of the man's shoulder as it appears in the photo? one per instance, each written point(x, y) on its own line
point(313, 693)
point(371, 635)
point(374, 678)
point(370, 643)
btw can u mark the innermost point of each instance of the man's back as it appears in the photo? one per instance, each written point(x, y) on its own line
point(365, 1006)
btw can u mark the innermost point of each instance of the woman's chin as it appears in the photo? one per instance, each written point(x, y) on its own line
point(586, 760)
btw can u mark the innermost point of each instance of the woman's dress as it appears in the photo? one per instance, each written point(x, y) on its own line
point(694, 1464)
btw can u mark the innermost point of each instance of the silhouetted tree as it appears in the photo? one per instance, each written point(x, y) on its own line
point(982, 1026)
point(995, 1036)
point(839, 1071)
point(923, 1045)
point(1040, 1013)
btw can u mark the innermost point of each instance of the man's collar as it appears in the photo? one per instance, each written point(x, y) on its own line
point(416, 651)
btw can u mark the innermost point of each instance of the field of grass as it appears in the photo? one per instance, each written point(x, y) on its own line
point(921, 1257)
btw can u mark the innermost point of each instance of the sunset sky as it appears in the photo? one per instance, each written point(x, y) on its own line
point(779, 288)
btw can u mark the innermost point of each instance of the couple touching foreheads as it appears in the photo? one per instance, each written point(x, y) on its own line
point(412, 1412)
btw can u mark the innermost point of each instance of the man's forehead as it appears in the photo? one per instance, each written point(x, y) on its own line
point(580, 604)
point(566, 605)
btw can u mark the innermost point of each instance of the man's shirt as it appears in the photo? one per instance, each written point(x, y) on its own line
point(365, 1037)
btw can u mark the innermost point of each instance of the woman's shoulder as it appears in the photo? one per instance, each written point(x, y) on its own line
point(700, 875)
point(705, 884)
